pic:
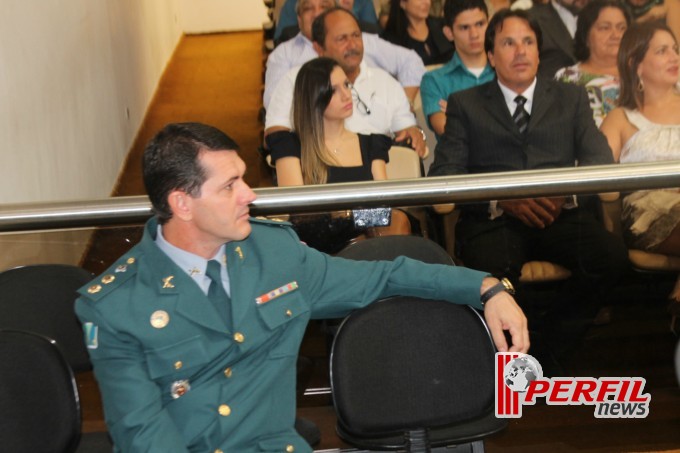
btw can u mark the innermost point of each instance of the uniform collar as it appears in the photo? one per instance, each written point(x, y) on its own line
point(190, 263)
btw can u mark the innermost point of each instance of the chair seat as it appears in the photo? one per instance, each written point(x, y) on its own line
point(653, 261)
point(543, 271)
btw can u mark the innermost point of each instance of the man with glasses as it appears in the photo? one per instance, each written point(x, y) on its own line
point(380, 104)
point(404, 64)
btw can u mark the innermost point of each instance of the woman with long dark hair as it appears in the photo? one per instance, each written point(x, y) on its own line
point(321, 150)
point(410, 25)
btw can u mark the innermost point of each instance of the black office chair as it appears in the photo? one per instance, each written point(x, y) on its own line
point(38, 396)
point(412, 374)
point(40, 298)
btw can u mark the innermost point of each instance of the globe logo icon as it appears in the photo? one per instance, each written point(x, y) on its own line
point(520, 372)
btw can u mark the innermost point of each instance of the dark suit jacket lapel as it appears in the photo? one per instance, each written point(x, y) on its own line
point(494, 104)
point(558, 30)
point(542, 102)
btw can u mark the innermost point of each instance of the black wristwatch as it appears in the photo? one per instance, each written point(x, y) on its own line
point(503, 285)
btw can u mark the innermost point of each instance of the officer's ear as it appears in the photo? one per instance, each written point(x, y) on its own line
point(180, 203)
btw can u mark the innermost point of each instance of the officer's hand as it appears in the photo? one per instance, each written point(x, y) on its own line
point(534, 212)
point(502, 313)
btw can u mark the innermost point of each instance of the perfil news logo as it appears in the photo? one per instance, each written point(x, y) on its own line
point(519, 381)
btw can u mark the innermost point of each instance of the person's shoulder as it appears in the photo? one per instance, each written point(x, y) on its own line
point(117, 276)
point(378, 142)
point(475, 92)
point(540, 10)
point(268, 222)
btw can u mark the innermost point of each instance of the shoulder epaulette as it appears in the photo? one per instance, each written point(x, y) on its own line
point(114, 276)
point(270, 221)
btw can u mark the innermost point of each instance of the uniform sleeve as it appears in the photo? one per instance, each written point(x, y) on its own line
point(132, 401)
point(283, 144)
point(402, 63)
point(592, 146)
point(281, 103)
point(335, 286)
point(452, 150)
point(379, 147)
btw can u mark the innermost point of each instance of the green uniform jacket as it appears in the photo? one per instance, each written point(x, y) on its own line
point(174, 378)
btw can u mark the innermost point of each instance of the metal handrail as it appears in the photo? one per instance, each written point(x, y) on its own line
point(406, 192)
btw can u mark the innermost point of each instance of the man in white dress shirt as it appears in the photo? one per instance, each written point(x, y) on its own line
point(402, 63)
point(380, 103)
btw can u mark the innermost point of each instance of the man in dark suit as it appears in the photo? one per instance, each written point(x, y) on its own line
point(521, 122)
point(557, 20)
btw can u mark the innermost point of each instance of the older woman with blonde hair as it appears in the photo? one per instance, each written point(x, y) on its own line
point(646, 128)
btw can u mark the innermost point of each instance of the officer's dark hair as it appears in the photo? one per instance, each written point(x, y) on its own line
point(319, 30)
point(452, 8)
point(587, 18)
point(171, 162)
point(496, 25)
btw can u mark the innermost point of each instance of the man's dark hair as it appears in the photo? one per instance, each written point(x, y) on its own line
point(170, 162)
point(452, 8)
point(587, 18)
point(497, 21)
point(319, 30)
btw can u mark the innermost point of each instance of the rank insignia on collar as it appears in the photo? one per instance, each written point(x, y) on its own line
point(167, 281)
point(179, 388)
point(239, 252)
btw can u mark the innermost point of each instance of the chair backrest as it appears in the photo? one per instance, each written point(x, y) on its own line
point(391, 247)
point(40, 299)
point(38, 396)
point(407, 364)
point(404, 163)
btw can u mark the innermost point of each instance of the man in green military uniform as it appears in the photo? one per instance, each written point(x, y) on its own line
point(194, 333)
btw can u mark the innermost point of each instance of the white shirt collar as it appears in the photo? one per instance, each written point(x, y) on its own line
point(568, 18)
point(510, 95)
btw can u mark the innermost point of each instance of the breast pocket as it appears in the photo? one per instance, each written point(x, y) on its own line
point(286, 318)
point(177, 357)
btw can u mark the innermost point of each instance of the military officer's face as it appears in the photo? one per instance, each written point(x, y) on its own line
point(221, 212)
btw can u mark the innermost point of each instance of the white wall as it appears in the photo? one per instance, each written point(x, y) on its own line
point(204, 16)
point(76, 78)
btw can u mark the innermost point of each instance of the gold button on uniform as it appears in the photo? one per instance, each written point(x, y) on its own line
point(94, 289)
point(178, 364)
point(131, 260)
point(224, 410)
point(218, 451)
point(290, 448)
point(227, 372)
point(108, 279)
point(289, 313)
point(238, 337)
